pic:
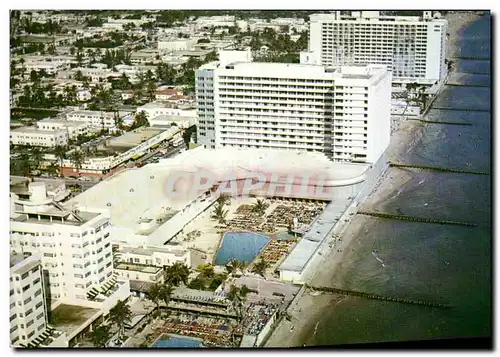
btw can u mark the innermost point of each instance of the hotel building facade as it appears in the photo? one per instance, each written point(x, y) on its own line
point(343, 113)
point(412, 47)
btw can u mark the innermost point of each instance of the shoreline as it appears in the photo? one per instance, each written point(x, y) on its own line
point(307, 310)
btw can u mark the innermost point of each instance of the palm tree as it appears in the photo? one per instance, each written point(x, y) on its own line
point(176, 274)
point(154, 294)
point(224, 199)
point(166, 292)
point(53, 169)
point(219, 213)
point(77, 159)
point(234, 265)
point(60, 153)
point(260, 267)
point(119, 315)
point(237, 297)
point(36, 157)
point(100, 336)
point(260, 207)
point(141, 119)
point(151, 90)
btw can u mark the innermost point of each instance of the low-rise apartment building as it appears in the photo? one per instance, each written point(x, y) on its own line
point(96, 119)
point(155, 109)
point(72, 128)
point(32, 135)
point(28, 310)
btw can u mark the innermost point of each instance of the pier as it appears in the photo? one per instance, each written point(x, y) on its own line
point(379, 297)
point(437, 168)
point(416, 219)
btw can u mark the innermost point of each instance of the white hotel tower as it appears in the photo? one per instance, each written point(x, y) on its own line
point(343, 113)
point(412, 47)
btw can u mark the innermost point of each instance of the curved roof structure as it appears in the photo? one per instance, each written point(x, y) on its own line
point(135, 194)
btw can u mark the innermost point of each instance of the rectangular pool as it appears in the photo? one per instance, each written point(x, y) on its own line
point(243, 246)
point(175, 341)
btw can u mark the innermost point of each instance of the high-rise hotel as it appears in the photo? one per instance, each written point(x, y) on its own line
point(412, 47)
point(343, 112)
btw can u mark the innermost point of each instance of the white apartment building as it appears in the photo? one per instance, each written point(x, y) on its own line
point(146, 263)
point(155, 109)
point(32, 135)
point(164, 94)
point(178, 44)
point(343, 113)
point(83, 95)
point(96, 119)
point(72, 128)
point(412, 47)
point(75, 248)
point(28, 312)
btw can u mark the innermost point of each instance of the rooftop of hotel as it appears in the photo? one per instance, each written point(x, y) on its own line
point(68, 318)
point(54, 216)
point(141, 193)
point(133, 138)
point(34, 129)
point(149, 251)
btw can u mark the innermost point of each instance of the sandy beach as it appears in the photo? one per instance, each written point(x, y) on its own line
point(307, 309)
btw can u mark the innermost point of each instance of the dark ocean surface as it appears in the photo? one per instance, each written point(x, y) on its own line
point(426, 261)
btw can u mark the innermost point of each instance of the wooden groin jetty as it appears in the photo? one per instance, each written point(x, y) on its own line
point(467, 85)
point(462, 109)
point(442, 122)
point(416, 219)
point(379, 297)
point(471, 58)
point(478, 73)
point(437, 168)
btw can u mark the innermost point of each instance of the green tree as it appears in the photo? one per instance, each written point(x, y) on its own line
point(260, 207)
point(234, 265)
point(60, 153)
point(237, 296)
point(166, 292)
point(100, 336)
point(77, 158)
point(120, 314)
point(176, 274)
point(154, 294)
point(260, 267)
point(219, 214)
point(141, 119)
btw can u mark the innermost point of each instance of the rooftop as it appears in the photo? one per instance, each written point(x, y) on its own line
point(34, 129)
point(148, 269)
point(134, 138)
point(149, 251)
point(68, 318)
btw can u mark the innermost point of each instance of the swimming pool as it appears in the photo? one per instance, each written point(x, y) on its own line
point(172, 341)
point(243, 246)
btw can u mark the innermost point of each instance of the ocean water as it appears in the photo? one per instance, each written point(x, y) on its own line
point(243, 246)
point(425, 261)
